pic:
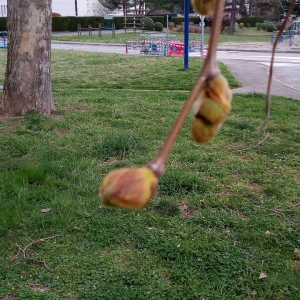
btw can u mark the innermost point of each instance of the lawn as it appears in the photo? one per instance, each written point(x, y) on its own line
point(240, 35)
point(94, 70)
point(224, 223)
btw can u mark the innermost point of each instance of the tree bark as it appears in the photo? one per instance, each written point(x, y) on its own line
point(27, 83)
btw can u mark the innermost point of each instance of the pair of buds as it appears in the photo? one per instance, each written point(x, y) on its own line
point(211, 108)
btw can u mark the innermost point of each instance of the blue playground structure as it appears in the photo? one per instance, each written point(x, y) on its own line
point(3, 39)
point(288, 34)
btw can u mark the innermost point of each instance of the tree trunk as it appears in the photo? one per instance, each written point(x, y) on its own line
point(27, 83)
point(232, 18)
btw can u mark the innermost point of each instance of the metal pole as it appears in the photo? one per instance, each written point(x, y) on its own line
point(186, 33)
point(167, 45)
point(125, 6)
point(202, 31)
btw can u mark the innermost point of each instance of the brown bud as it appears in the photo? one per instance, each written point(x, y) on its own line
point(205, 7)
point(212, 112)
point(218, 90)
point(202, 131)
point(128, 188)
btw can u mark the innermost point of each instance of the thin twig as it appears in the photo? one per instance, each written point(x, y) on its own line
point(279, 212)
point(289, 221)
point(268, 97)
point(23, 250)
point(259, 143)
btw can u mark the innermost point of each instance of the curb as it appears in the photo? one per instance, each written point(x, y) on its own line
point(87, 43)
point(260, 50)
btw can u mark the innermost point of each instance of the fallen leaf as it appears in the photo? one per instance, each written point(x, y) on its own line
point(262, 275)
point(297, 253)
point(254, 292)
point(45, 210)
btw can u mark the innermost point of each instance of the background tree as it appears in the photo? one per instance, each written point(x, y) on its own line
point(27, 83)
point(284, 6)
point(242, 8)
point(232, 17)
point(110, 4)
point(100, 9)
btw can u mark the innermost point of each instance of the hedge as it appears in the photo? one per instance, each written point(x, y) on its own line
point(65, 23)
point(251, 20)
point(3, 25)
point(119, 21)
point(70, 23)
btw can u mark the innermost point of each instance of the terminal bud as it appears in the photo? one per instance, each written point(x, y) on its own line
point(128, 188)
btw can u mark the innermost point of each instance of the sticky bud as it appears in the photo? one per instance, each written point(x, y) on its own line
point(218, 90)
point(202, 131)
point(128, 188)
point(205, 7)
point(212, 112)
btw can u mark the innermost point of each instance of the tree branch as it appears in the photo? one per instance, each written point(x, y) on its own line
point(268, 97)
point(210, 68)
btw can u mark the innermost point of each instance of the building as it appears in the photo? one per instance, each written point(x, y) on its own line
point(3, 8)
point(65, 7)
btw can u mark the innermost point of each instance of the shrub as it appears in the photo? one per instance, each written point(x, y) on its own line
point(119, 22)
point(251, 20)
point(258, 26)
point(264, 26)
point(158, 26)
point(271, 27)
point(148, 23)
point(3, 25)
point(241, 25)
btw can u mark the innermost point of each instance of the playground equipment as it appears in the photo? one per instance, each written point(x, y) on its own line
point(134, 23)
point(295, 27)
point(159, 44)
point(147, 46)
point(289, 34)
point(177, 47)
point(3, 39)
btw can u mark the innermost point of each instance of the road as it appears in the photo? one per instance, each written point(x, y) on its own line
point(250, 68)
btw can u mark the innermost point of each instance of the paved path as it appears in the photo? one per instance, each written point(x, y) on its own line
point(252, 71)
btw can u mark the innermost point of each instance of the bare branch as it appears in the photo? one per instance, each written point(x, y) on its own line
point(268, 97)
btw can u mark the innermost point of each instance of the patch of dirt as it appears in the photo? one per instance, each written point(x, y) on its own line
point(39, 288)
point(61, 133)
point(186, 212)
point(57, 117)
point(8, 297)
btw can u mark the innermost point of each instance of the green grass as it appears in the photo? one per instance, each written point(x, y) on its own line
point(222, 215)
point(240, 35)
point(99, 70)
